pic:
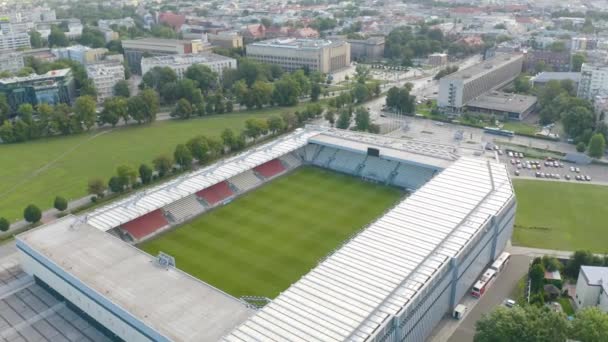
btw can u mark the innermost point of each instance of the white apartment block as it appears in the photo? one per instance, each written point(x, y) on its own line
point(594, 81)
point(592, 288)
point(457, 89)
point(180, 63)
point(291, 54)
point(107, 24)
point(14, 41)
point(105, 75)
point(11, 62)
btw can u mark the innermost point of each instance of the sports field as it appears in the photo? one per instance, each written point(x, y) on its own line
point(267, 239)
point(563, 216)
point(37, 171)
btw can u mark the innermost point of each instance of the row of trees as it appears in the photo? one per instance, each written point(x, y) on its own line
point(200, 150)
point(33, 214)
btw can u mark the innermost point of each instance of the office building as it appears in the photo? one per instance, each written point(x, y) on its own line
point(593, 82)
point(592, 288)
point(136, 49)
point(81, 54)
point(371, 48)
point(11, 62)
point(14, 41)
point(325, 56)
point(180, 63)
point(438, 59)
point(457, 89)
point(105, 75)
point(229, 40)
point(56, 86)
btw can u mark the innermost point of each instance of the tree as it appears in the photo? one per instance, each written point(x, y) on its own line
point(121, 88)
point(88, 88)
point(204, 77)
point(57, 37)
point(136, 107)
point(182, 156)
point(126, 175)
point(590, 325)
point(145, 173)
point(575, 262)
point(162, 164)
point(150, 98)
point(315, 92)
point(35, 39)
point(32, 214)
point(581, 147)
point(286, 91)
point(522, 324)
point(114, 109)
point(275, 124)
point(25, 112)
point(330, 116)
point(60, 203)
point(156, 77)
point(199, 149)
point(255, 128)
point(259, 95)
point(85, 110)
point(361, 93)
point(343, 119)
point(4, 224)
point(116, 185)
point(522, 84)
point(577, 118)
point(96, 187)
point(537, 274)
point(183, 109)
point(597, 146)
point(577, 61)
point(362, 120)
point(5, 109)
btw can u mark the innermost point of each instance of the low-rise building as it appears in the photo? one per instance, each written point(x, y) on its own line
point(107, 24)
point(503, 105)
point(80, 53)
point(321, 55)
point(56, 86)
point(225, 39)
point(11, 62)
point(438, 59)
point(104, 76)
point(14, 41)
point(592, 288)
point(543, 78)
point(136, 49)
point(371, 48)
point(180, 63)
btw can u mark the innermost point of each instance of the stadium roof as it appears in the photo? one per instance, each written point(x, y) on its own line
point(143, 202)
point(382, 271)
point(427, 154)
point(170, 302)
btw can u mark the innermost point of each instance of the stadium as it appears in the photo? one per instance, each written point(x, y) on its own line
point(432, 221)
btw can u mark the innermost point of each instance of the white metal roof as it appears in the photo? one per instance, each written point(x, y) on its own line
point(143, 202)
point(382, 269)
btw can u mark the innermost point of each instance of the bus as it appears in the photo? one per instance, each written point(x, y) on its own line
point(498, 131)
point(483, 283)
point(500, 262)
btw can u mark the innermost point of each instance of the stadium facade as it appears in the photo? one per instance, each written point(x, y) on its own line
point(392, 281)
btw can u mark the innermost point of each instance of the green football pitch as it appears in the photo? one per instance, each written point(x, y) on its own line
point(560, 215)
point(267, 239)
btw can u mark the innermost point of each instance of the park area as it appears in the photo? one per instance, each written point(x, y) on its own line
point(267, 239)
point(37, 171)
point(561, 216)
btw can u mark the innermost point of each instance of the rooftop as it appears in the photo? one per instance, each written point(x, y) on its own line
point(295, 43)
point(596, 275)
point(384, 270)
point(477, 70)
point(169, 301)
point(188, 59)
point(504, 102)
point(35, 77)
point(155, 41)
point(547, 76)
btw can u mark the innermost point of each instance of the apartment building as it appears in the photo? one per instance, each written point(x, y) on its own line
point(593, 81)
point(180, 63)
point(291, 54)
point(592, 288)
point(14, 41)
point(438, 59)
point(457, 89)
point(136, 49)
point(105, 75)
point(11, 62)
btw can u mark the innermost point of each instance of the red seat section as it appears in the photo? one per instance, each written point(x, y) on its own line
point(271, 168)
point(216, 193)
point(146, 225)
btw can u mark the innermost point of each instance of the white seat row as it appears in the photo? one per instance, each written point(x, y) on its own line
point(245, 180)
point(184, 208)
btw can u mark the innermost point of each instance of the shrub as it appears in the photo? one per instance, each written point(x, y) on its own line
point(32, 214)
point(4, 224)
point(60, 203)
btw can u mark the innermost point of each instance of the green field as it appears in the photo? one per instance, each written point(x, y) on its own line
point(562, 216)
point(37, 171)
point(267, 239)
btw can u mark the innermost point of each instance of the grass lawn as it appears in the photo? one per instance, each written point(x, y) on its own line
point(267, 239)
point(37, 171)
point(520, 127)
point(562, 216)
point(566, 306)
